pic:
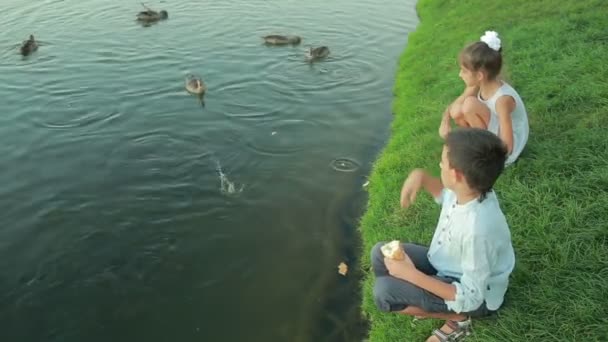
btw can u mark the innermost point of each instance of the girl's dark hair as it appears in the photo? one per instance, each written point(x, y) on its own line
point(479, 154)
point(479, 56)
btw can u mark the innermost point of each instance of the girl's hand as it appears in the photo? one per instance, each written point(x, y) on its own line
point(444, 128)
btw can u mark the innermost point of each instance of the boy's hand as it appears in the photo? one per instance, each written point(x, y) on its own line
point(401, 269)
point(410, 188)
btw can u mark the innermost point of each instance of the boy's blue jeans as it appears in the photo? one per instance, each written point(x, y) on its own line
point(393, 294)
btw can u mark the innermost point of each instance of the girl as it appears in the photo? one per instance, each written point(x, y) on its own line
point(487, 101)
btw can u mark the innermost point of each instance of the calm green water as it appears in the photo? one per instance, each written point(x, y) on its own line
point(116, 224)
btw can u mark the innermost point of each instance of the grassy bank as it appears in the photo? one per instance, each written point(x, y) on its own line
point(555, 197)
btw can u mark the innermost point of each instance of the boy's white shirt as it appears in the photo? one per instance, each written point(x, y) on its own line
point(472, 242)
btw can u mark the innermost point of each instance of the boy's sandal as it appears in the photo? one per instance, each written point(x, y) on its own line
point(460, 331)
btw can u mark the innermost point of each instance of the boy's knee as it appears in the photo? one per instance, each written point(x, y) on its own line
point(381, 295)
point(377, 250)
point(376, 254)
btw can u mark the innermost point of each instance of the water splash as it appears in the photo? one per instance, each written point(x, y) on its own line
point(226, 185)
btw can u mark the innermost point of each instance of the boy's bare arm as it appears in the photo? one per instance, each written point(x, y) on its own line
point(416, 180)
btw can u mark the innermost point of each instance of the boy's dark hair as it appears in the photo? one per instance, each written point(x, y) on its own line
point(478, 56)
point(479, 154)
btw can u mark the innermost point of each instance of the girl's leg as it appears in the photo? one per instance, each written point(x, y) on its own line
point(458, 116)
point(475, 113)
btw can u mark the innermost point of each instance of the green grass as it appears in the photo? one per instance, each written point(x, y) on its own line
point(555, 197)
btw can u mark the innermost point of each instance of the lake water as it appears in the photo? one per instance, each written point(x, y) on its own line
point(132, 213)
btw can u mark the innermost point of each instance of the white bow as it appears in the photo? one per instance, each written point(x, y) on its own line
point(492, 40)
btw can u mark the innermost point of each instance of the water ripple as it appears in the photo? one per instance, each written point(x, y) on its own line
point(284, 137)
point(345, 165)
point(111, 169)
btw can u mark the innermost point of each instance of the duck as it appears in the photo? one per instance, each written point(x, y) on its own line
point(317, 53)
point(275, 39)
point(29, 46)
point(150, 15)
point(195, 85)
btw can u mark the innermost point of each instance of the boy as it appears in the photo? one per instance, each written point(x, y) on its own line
point(465, 271)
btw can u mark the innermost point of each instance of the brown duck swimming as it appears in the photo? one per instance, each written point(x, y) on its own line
point(275, 39)
point(317, 53)
point(150, 15)
point(29, 46)
point(195, 85)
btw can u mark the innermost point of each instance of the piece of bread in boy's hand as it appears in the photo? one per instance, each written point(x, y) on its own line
point(393, 250)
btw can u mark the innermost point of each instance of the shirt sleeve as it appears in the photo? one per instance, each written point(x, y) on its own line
point(439, 199)
point(476, 254)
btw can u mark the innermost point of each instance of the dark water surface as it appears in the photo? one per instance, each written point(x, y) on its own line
point(131, 213)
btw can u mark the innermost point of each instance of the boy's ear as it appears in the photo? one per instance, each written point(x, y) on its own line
point(459, 176)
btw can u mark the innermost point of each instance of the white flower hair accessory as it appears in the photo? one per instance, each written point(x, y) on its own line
point(492, 40)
